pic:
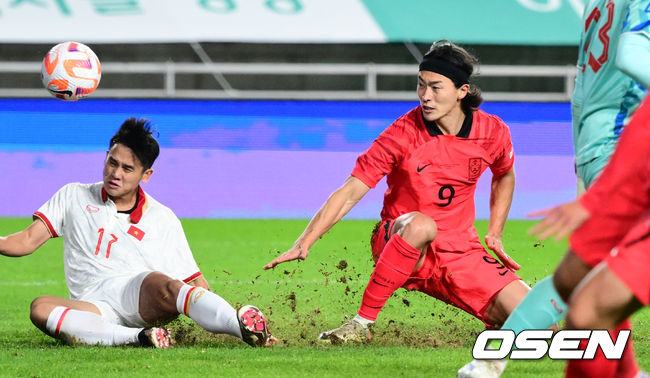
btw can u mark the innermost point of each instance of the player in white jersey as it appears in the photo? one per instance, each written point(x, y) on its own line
point(613, 78)
point(127, 262)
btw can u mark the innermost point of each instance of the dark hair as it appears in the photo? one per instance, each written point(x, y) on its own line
point(137, 135)
point(463, 60)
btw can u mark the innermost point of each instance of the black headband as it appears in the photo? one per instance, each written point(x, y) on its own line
point(445, 68)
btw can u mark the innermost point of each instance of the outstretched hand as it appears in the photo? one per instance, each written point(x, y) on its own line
point(296, 252)
point(559, 221)
point(495, 245)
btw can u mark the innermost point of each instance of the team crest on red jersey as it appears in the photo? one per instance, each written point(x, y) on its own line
point(92, 209)
point(474, 168)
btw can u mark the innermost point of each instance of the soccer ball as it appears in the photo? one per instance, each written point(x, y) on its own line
point(70, 71)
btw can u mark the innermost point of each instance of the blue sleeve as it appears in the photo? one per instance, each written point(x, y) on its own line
point(637, 17)
point(633, 54)
point(633, 57)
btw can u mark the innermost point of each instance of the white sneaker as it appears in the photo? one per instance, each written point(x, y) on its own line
point(352, 331)
point(482, 369)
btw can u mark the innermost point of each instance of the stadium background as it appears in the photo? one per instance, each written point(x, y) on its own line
point(262, 107)
point(269, 102)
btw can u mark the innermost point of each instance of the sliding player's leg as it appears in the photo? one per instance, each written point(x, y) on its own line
point(399, 249)
point(162, 298)
point(80, 322)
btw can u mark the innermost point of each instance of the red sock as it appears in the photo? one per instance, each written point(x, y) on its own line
point(600, 367)
point(627, 366)
point(393, 268)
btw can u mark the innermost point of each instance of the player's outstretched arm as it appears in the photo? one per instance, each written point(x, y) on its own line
point(559, 221)
point(26, 241)
point(337, 205)
point(501, 193)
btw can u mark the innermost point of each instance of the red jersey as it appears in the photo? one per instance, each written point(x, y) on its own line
point(436, 174)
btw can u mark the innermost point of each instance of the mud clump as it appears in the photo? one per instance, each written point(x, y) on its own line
point(291, 301)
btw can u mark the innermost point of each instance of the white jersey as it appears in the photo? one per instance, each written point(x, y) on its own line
point(99, 242)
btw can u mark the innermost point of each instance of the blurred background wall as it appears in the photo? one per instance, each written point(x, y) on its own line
point(263, 106)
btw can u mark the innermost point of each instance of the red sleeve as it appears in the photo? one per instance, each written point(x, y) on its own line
point(504, 155)
point(54, 211)
point(384, 154)
point(628, 171)
point(192, 277)
point(50, 228)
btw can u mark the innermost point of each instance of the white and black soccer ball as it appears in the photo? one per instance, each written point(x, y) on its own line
point(71, 71)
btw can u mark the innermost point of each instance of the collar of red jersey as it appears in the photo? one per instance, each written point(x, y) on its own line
point(136, 215)
point(464, 131)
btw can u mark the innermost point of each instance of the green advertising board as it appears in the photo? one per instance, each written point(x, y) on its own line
point(502, 22)
point(509, 22)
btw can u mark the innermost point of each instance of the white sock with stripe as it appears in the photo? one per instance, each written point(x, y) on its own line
point(83, 327)
point(208, 310)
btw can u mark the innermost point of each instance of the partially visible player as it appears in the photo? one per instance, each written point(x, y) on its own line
point(128, 265)
point(433, 157)
point(612, 78)
point(612, 233)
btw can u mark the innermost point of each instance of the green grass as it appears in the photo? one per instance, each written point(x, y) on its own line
point(415, 336)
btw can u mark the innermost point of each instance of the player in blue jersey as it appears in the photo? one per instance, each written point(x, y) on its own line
point(612, 78)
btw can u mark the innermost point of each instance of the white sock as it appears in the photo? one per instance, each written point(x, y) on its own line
point(208, 310)
point(83, 327)
point(363, 321)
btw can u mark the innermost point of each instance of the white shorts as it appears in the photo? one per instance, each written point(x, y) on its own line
point(118, 299)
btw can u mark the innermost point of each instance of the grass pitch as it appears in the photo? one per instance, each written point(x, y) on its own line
point(415, 335)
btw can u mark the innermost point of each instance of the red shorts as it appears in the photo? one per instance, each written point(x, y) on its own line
point(612, 220)
point(617, 232)
point(630, 260)
point(598, 235)
point(468, 279)
point(623, 243)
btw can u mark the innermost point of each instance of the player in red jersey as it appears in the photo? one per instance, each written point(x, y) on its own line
point(433, 157)
point(612, 235)
point(611, 82)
